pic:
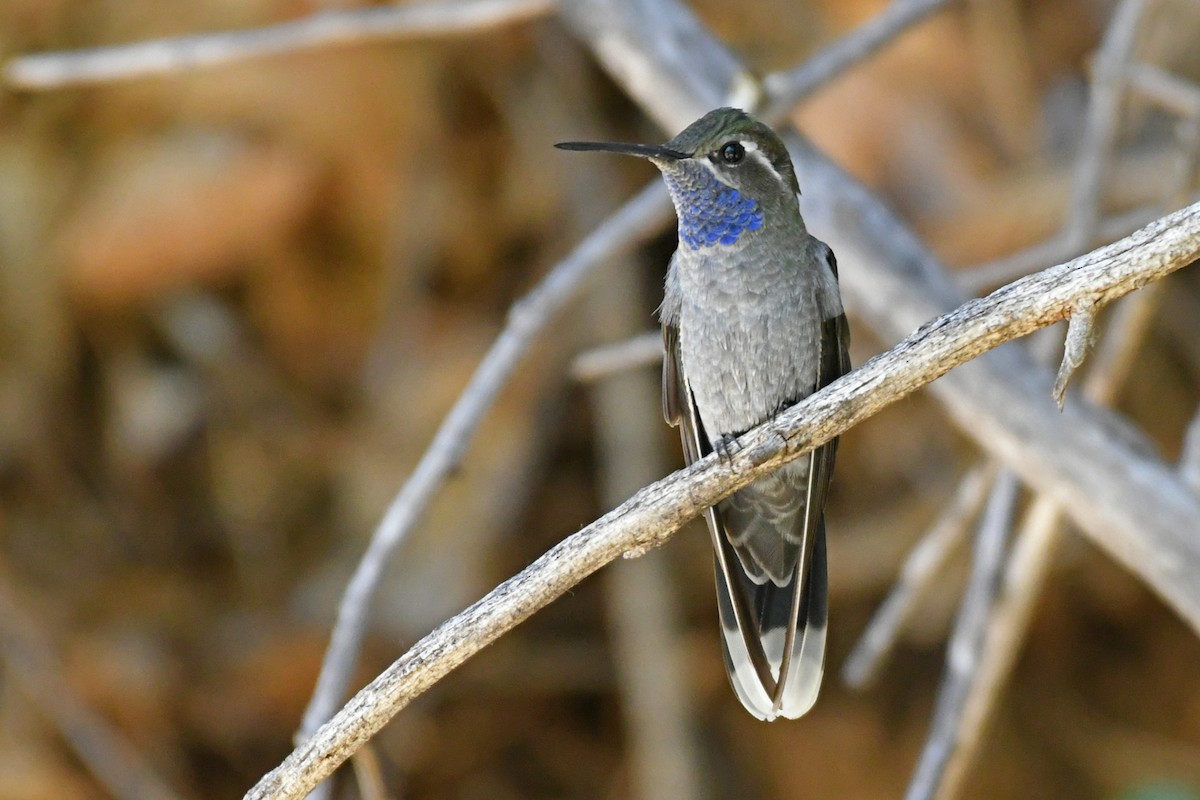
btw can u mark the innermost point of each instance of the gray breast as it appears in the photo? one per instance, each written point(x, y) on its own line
point(749, 327)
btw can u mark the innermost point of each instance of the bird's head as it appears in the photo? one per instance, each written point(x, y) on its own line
point(727, 173)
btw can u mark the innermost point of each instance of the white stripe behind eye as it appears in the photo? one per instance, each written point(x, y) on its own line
point(756, 154)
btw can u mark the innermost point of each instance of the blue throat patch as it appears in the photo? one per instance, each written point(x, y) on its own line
point(710, 213)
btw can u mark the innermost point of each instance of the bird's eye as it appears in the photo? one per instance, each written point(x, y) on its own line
point(733, 153)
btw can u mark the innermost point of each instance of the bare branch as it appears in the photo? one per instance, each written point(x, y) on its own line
point(965, 649)
point(924, 563)
point(1162, 550)
point(638, 351)
point(786, 89)
point(1172, 93)
point(1099, 135)
point(183, 53)
point(637, 220)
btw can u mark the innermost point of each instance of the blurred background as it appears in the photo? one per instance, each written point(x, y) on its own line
point(236, 302)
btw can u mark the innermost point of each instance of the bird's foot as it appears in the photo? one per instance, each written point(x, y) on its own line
point(726, 448)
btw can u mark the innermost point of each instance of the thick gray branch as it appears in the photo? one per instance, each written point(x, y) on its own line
point(1168, 554)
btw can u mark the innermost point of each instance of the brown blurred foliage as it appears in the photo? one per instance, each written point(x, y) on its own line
point(235, 304)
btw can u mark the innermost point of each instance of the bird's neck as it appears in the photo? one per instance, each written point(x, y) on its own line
point(711, 214)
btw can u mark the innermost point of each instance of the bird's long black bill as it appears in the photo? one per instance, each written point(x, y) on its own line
point(653, 151)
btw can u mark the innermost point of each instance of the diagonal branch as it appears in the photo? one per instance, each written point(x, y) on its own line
point(1166, 554)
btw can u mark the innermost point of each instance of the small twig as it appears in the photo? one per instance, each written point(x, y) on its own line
point(369, 774)
point(1172, 93)
point(1079, 339)
point(107, 754)
point(965, 649)
point(1161, 551)
point(635, 221)
point(1028, 566)
point(1100, 134)
point(639, 351)
point(183, 53)
point(788, 88)
point(923, 564)
point(1129, 325)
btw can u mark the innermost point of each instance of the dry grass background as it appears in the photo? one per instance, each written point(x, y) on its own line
point(235, 304)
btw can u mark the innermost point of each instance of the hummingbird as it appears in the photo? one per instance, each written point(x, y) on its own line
point(752, 322)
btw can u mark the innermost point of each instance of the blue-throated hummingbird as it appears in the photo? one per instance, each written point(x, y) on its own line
point(752, 322)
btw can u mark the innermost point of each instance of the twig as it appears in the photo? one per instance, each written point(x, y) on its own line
point(638, 351)
point(1171, 92)
point(1024, 576)
point(1160, 550)
point(637, 220)
point(106, 753)
point(179, 54)
point(965, 649)
point(1108, 79)
point(923, 564)
point(1079, 339)
point(786, 89)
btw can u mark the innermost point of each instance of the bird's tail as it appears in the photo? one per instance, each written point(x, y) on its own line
point(774, 636)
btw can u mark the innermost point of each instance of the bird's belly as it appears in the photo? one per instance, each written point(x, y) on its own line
point(745, 361)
